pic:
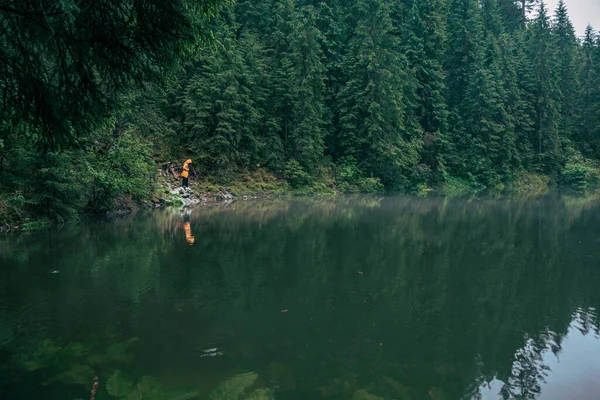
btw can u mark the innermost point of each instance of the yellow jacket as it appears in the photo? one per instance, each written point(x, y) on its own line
point(186, 169)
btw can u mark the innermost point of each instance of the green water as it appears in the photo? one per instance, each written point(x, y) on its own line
point(362, 299)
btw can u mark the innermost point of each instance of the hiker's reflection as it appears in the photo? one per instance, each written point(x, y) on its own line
point(188, 233)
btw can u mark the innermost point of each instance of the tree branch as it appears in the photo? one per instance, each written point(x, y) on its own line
point(21, 13)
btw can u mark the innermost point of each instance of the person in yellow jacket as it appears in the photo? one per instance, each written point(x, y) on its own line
point(185, 173)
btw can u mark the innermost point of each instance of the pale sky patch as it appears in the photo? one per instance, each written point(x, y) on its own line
point(581, 13)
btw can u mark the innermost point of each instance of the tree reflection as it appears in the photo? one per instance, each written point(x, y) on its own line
point(396, 298)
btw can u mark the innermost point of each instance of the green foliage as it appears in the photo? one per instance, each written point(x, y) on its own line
point(351, 179)
point(295, 175)
point(58, 192)
point(371, 104)
point(457, 187)
point(410, 91)
point(579, 176)
point(63, 63)
point(126, 169)
point(530, 184)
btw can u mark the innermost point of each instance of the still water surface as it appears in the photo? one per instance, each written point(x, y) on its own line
point(361, 299)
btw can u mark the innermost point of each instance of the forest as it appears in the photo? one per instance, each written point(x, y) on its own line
point(443, 96)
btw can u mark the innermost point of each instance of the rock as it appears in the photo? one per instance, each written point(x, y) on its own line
point(224, 196)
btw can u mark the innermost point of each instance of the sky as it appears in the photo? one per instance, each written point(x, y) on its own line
point(581, 12)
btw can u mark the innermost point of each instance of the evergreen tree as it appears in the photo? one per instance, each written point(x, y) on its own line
point(488, 127)
point(331, 24)
point(525, 7)
point(566, 45)
point(516, 81)
point(463, 54)
point(589, 138)
point(511, 15)
point(463, 47)
point(371, 102)
point(282, 73)
point(222, 98)
point(306, 142)
point(548, 146)
point(65, 63)
point(423, 47)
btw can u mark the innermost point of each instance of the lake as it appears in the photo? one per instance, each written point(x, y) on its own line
point(347, 298)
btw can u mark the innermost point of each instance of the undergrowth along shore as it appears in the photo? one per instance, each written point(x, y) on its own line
point(578, 178)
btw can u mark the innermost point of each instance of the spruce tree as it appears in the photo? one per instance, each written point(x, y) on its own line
point(371, 102)
point(221, 102)
point(306, 142)
point(281, 68)
point(488, 126)
point(566, 45)
point(525, 7)
point(463, 53)
point(65, 63)
point(547, 142)
point(511, 15)
point(590, 96)
point(423, 47)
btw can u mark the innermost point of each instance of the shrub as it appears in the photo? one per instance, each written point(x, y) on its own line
point(579, 176)
point(127, 170)
point(457, 187)
point(295, 175)
point(351, 179)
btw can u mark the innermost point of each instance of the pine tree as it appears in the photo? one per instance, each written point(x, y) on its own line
point(221, 102)
point(590, 96)
point(463, 47)
point(566, 45)
point(525, 7)
point(65, 63)
point(423, 47)
point(511, 15)
point(548, 146)
point(516, 79)
point(331, 24)
point(463, 53)
point(306, 142)
point(488, 126)
point(282, 73)
point(507, 110)
point(371, 102)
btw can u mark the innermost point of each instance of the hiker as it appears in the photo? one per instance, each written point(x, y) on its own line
point(185, 173)
point(188, 233)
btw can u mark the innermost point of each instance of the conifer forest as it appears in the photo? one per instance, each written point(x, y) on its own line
point(410, 96)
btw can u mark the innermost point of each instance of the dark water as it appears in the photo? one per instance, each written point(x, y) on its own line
point(362, 299)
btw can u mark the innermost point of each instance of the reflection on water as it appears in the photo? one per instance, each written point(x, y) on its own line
point(392, 298)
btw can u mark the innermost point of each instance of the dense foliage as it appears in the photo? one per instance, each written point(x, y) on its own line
point(411, 95)
point(415, 92)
